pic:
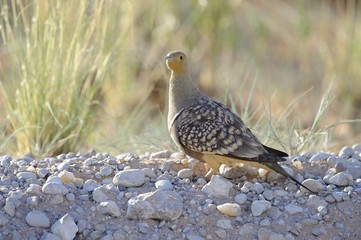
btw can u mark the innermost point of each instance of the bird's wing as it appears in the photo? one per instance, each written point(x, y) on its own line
point(211, 128)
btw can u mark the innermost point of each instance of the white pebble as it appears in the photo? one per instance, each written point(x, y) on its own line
point(129, 178)
point(218, 187)
point(109, 207)
point(293, 209)
point(224, 223)
point(313, 185)
point(65, 227)
point(185, 173)
point(164, 184)
point(54, 188)
point(230, 209)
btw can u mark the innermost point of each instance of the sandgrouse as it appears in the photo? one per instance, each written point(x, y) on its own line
point(209, 131)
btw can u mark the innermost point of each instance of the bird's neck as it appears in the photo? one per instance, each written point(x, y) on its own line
point(182, 93)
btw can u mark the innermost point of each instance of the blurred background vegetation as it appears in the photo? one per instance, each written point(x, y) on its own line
point(85, 74)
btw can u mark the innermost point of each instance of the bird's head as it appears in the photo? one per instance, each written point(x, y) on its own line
point(177, 61)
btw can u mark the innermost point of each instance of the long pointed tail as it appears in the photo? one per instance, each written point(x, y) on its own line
point(277, 168)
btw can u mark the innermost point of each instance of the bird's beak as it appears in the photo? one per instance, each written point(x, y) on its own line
point(167, 57)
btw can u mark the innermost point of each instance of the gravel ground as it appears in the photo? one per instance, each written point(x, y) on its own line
point(163, 195)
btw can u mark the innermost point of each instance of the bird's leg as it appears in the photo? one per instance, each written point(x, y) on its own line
point(209, 174)
point(214, 167)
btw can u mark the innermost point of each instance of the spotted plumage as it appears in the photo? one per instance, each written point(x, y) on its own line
point(209, 131)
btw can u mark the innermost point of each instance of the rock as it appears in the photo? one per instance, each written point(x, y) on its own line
point(259, 206)
point(357, 147)
point(26, 175)
point(313, 185)
point(161, 204)
point(42, 172)
point(65, 227)
point(109, 207)
point(346, 152)
point(269, 194)
point(50, 236)
point(129, 178)
point(318, 231)
point(257, 188)
point(231, 172)
point(149, 173)
point(218, 187)
point(37, 218)
point(3, 219)
point(105, 171)
point(164, 185)
point(63, 166)
point(161, 154)
point(54, 188)
point(319, 156)
point(66, 177)
point(224, 223)
point(293, 209)
point(5, 161)
point(90, 185)
point(99, 195)
point(230, 209)
point(9, 208)
point(240, 198)
point(341, 179)
point(185, 173)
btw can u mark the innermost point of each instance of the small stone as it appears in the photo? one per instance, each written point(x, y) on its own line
point(293, 209)
point(106, 171)
point(218, 187)
point(65, 227)
point(313, 185)
point(185, 173)
point(63, 166)
point(319, 156)
point(50, 236)
point(54, 188)
point(149, 172)
point(99, 195)
point(90, 185)
point(225, 224)
point(161, 154)
point(230, 209)
point(346, 152)
point(66, 177)
point(164, 184)
point(161, 204)
point(232, 172)
point(260, 206)
point(319, 231)
point(257, 188)
point(240, 198)
point(70, 197)
point(26, 175)
point(81, 224)
point(269, 194)
point(5, 161)
point(42, 172)
point(357, 147)
point(265, 223)
point(341, 179)
point(129, 178)
point(9, 208)
point(37, 218)
point(57, 199)
point(110, 208)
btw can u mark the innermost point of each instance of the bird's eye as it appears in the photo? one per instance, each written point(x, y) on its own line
point(181, 57)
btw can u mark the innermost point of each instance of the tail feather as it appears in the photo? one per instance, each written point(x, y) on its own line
point(277, 168)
